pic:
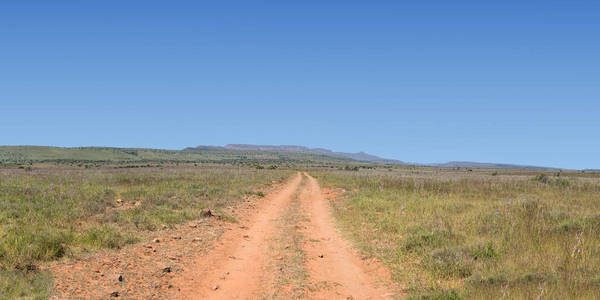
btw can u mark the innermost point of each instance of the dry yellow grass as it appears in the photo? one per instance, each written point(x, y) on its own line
point(46, 214)
point(449, 234)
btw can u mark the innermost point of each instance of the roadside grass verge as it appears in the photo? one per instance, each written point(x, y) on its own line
point(475, 236)
point(49, 214)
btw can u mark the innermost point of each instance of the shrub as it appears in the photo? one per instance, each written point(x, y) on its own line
point(543, 178)
point(486, 251)
point(22, 247)
point(570, 225)
point(443, 295)
point(535, 277)
point(493, 279)
point(20, 284)
point(106, 237)
point(419, 238)
point(449, 263)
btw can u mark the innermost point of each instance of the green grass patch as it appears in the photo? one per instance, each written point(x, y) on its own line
point(23, 284)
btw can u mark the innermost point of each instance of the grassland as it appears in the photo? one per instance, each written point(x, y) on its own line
point(444, 233)
point(50, 213)
point(486, 234)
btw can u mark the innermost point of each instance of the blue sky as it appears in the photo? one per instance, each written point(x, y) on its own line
point(426, 81)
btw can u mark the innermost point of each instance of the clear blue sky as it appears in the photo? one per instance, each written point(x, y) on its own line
point(431, 81)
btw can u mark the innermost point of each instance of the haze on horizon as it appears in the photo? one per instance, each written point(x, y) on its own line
point(508, 82)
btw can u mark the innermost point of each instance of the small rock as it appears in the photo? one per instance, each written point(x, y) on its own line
point(148, 246)
point(119, 200)
point(192, 224)
point(246, 236)
point(31, 267)
point(119, 278)
point(207, 213)
point(156, 240)
point(196, 240)
point(227, 273)
point(215, 287)
point(232, 257)
point(114, 294)
point(321, 256)
point(166, 269)
point(176, 237)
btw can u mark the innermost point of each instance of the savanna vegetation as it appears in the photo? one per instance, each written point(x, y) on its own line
point(50, 213)
point(483, 234)
point(444, 233)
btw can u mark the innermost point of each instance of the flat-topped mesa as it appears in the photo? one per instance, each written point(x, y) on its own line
point(359, 156)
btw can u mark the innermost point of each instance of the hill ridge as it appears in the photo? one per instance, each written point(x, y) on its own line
point(232, 153)
point(359, 156)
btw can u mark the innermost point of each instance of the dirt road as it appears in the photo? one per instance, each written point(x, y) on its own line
point(235, 267)
point(244, 265)
point(331, 262)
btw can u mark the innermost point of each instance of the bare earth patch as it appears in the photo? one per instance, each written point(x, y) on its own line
point(144, 270)
point(147, 270)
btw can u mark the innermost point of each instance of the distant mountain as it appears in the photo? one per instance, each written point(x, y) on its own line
point(203, 154)
point(477, 165)
point(233, 153)
point(360, 156)
point(364, 157)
